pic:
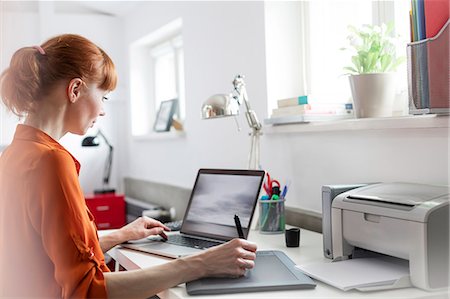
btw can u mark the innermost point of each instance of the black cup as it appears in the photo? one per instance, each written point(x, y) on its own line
point(292, 237)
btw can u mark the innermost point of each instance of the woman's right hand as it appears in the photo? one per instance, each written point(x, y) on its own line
point(231, 259)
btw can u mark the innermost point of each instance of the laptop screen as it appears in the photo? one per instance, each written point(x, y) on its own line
point(217, 196)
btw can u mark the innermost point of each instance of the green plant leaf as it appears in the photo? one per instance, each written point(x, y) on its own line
point(374, 47)
point(351, 70)
point(356, 63)
point(385, 62)
point(371, 62)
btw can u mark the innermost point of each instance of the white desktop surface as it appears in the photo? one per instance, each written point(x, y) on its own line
point(310, 251)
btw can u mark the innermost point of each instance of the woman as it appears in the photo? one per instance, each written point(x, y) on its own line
point(48, 242)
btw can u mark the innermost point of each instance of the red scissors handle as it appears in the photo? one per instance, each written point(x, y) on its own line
point(268, 185)
point(275, 182)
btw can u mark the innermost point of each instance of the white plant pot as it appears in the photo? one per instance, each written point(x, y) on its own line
point(373, 94)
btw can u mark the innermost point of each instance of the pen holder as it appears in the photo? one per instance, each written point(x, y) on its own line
point(271, 216)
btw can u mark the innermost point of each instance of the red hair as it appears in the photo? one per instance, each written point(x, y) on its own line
point(33, 73)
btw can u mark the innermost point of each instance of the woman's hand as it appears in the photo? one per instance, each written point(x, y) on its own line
point(138, 229)
point(141, 228)
point(230, 259)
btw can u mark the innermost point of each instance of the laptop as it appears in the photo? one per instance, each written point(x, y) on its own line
point(217, 196)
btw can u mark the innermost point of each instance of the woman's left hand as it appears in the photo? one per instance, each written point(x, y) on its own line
point(141, 228)
point(138, 229)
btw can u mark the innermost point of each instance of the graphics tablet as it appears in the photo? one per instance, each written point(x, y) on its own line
point(273, 271)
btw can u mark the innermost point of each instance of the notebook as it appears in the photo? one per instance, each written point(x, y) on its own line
point(217, 195)
point(273, 271)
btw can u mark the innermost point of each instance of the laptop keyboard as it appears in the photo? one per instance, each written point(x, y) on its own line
point(191, 242)
point(174, 225)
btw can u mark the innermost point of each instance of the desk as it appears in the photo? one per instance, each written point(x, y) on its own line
point(310, 251)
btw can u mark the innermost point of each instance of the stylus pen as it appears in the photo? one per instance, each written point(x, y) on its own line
point(164, 236)
point(238, 226)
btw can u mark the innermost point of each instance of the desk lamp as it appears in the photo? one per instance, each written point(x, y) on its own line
point(93, 141)
point(222, 105)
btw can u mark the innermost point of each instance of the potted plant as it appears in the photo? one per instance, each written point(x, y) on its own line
point(374, 60)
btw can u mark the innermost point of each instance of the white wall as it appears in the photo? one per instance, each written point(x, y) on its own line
point(222, 39)
point(316, 159)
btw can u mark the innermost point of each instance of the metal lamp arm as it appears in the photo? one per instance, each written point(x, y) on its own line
point(239, 87)
point(108, 164)
point(253, 122)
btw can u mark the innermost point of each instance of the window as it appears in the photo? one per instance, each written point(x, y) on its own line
point(156, 75)
point(328, 32)
point(303, 53)
point(328, 22)
point(168, 72)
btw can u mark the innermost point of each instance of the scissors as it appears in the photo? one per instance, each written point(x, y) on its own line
point(269, 184)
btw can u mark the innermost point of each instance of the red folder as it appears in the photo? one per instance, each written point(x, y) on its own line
point(438, 70)
point(436, 15)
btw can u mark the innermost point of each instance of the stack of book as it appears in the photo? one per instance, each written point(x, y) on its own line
point(298, 110)
point(291, 106)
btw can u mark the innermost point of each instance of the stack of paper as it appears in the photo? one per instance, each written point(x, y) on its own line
point(298, 110)
point(361, 273)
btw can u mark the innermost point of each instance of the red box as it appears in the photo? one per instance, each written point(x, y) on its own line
point(108, 210)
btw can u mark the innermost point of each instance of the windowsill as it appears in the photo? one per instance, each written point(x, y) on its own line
point(161, 135)
point(400, 122)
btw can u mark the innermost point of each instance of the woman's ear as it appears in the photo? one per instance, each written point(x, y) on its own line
point(74, 89)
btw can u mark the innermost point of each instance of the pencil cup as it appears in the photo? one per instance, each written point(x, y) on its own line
point(271, 216)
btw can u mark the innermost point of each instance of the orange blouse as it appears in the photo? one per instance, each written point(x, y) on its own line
point(49, 246)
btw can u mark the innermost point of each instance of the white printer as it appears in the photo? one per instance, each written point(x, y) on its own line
point(403, 220)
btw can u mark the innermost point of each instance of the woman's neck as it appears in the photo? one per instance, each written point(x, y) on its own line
point(50, 122)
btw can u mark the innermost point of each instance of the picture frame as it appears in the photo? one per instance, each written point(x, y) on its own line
point(163, 120)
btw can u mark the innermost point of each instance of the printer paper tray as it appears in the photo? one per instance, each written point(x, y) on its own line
point(363, 274)
point(402, 282)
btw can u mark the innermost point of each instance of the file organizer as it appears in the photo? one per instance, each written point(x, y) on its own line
point(429, 75)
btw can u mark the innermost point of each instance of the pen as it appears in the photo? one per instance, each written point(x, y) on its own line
point(283, 194)
point(285, 189)
point(164, 236)
point(238, 226)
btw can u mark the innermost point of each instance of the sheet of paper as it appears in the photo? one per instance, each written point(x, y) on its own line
point(357, 273)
